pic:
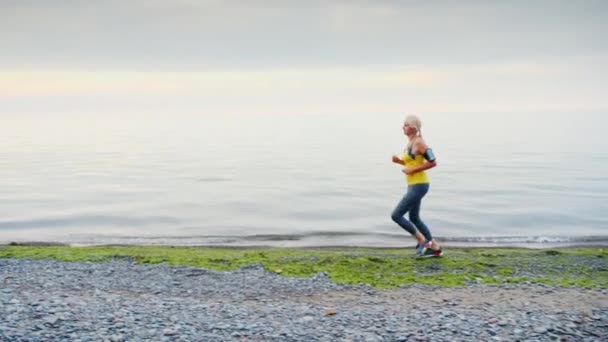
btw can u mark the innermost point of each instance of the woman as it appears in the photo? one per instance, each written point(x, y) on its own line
point(416, 159)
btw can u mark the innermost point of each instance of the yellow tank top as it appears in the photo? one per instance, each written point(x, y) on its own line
point(418, 177)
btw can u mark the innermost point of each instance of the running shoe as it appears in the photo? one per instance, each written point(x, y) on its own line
point(421, 248)
point(429, 253)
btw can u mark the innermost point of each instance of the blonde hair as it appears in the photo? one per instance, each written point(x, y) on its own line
point(414, 121)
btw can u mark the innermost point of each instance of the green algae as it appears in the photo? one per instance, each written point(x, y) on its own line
point(381, 268)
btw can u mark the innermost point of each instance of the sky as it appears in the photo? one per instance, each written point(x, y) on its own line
point(300, 57)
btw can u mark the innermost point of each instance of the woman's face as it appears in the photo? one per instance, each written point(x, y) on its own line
point(407, 129)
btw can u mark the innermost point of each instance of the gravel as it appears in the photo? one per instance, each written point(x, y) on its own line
point(120, 300)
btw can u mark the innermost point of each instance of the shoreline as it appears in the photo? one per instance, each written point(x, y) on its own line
point(321, 239)
point(453, 245)
point(378, 267)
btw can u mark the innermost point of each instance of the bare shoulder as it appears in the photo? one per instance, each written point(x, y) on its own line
point(420, 145)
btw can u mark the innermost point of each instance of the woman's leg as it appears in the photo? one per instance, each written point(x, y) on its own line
point(415, 219)
point(414, 214)
point(402, 208)
point(406, 203)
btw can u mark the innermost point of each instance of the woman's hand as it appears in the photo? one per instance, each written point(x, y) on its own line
point(397, 160)
point(408, 171)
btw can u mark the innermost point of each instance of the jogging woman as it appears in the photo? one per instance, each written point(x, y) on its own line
point(417, 158)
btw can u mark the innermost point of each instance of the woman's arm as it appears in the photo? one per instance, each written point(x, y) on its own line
point(397, 160)
point(427, 165)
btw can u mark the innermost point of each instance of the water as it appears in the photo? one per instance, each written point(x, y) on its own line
point(531, 179)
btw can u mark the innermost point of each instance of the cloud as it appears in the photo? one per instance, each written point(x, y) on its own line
point(55, 81)
point(573, 84)
point(188, 35)
point(281, 55)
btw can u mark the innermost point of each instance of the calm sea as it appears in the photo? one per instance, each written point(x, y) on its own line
point(531, 179)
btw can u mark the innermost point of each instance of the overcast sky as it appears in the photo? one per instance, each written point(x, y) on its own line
point(111, 56)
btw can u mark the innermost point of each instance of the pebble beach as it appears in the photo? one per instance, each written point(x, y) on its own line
point(121, 300)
